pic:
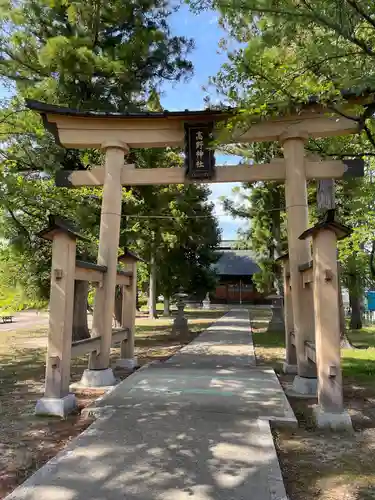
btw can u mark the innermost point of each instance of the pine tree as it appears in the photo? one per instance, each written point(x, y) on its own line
point(83, 54)
point(90, 54)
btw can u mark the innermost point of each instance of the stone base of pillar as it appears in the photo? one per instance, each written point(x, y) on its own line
point(97, 378)
point(127, 363)
point(56, 407)
point(289, 369)
point(334, 421)
point(305, 386)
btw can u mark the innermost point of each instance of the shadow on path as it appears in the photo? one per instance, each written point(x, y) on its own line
point(193, 428)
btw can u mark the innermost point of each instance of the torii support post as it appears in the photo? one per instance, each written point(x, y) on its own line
point(299, 253)
point(128, 312)
point(290, 363)
point(99, 373)
point(330, 410)
point(57, 400)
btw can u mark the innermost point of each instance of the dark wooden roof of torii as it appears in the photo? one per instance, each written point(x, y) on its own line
point(211, 114)
point(74, 128)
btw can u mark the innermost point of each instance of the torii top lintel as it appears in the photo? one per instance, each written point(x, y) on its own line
point(83, 129)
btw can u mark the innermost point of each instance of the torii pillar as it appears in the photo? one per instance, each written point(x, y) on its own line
point(330, 410)
point(57, 399)
point(99, 373)
point(128, 312)
point(293, 142)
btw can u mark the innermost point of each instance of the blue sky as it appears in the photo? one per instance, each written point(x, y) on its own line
point(207, 59)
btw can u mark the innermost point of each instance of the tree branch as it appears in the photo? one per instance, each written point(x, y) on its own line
point(361, 12)
point(322, 61)
point(33, 215)
point(261, 10)
point(344, 115)
point(370, 137)
point(13, 57)
point(339, 155)
point(268, 79)
point(18, 223)
point(4, 119)
point(336, 27)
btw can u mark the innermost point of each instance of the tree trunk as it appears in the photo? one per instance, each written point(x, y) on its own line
point(344, 339)
point(118, 305)
point(80, 325)
point(277, 319)
point(325, 195)
point(276, 250)
point(152, 289)
point(167, 311)
point(355, 293)
point(356, 314)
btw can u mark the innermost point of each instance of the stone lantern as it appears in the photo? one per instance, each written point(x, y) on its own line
point(180, 324)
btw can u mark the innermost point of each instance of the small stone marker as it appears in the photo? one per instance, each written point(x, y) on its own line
point(207, 302)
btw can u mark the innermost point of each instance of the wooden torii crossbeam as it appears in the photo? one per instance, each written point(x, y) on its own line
point(273, 171)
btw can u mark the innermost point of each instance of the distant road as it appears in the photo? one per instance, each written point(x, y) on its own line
point(25, 319)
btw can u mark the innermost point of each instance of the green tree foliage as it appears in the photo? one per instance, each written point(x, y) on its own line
point(356, 206)
point(175, 223)
point(100, 55)
point(187, 246)
point(297, 51)
point(25, 202)
point(294, 52)
point(91, 55)
point(265, 231)
point(261, 206)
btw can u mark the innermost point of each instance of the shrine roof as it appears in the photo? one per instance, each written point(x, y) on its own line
point(236, 263)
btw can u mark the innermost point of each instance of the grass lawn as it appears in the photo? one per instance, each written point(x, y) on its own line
point(26, 441)
point(318, 464)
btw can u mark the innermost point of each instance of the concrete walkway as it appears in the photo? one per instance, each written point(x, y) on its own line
point(193, 428)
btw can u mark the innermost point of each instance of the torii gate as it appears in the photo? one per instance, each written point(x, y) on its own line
point(116, 133)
